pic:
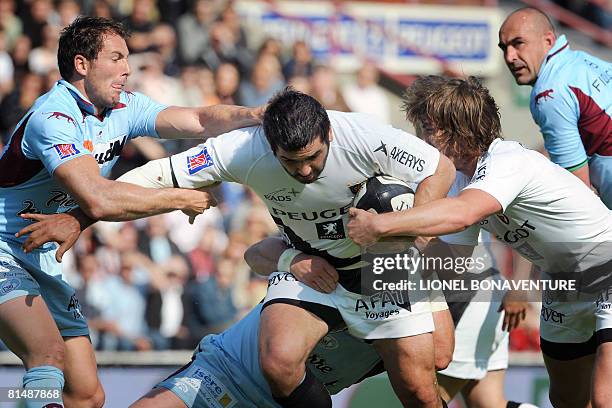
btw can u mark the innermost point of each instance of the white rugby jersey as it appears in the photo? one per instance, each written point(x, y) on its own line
point(549, 216)
point(312, 217)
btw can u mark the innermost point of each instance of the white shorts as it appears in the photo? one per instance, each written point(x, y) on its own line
point(574, 328)
point(382, 315)
point(480, 343)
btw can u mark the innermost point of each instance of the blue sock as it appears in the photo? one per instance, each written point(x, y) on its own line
point(47, 377)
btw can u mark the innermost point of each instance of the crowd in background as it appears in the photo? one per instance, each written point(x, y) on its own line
point(161, 283)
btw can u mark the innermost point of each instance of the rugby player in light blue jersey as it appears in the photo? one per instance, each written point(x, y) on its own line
point(57, 160)
point(225, 372)
point(571, 99)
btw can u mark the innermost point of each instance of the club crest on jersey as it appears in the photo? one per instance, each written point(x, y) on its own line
point(66, 150)
point(199, 161)
point(544, 95)
point(331, 229)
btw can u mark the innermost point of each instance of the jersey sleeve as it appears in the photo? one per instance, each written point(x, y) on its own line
point(52, 138)
point(557, 113)
point(142, 114)
point(468, 236)
point(502, 175)
point(400, 154)
point(227, 157)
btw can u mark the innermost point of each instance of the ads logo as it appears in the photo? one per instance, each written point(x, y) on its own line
point(331, 229)
point(282, 195)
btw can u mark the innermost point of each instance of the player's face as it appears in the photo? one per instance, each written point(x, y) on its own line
point(305, 165)
point(524, 49)
point(108, 73)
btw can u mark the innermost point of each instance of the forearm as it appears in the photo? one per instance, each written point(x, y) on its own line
point(205, 122)
point(439, 217)
point(263, 257)
point(437, 185)
point(218, 119)
point(125, 202)
point(583, 174)
point(139, 193)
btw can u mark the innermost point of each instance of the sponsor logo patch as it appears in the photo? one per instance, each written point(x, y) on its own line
point(66, 150)
point(199, 161)
point(9, 285)
point(331, 229)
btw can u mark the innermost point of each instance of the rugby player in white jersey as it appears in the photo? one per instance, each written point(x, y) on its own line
point(482, 319)
point(302, 163)
point(541, 211)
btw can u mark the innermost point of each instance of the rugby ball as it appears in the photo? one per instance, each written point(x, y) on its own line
point(381, 194)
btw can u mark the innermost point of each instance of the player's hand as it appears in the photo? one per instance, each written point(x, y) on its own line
point(361, 227)
point(61, 228)
point(315, 272)
point(515, 309)
point(197, 202)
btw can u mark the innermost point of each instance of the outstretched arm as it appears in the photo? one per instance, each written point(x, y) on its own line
point(176, 122)
point(439, 217)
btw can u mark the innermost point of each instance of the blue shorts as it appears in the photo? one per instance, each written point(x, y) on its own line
point(212, 380)
point(37, 273)
point(600, 173)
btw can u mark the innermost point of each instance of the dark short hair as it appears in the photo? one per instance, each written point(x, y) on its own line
point(85, 36)
point(293, 120)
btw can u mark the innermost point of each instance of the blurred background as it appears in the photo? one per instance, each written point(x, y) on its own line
point(152, 288)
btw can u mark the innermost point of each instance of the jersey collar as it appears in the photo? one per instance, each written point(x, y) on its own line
point(560, 45)
point(84, 104)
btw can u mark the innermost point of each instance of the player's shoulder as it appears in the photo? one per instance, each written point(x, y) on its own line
point(353, 130)
point(247, 144)
point(52, 111)
point(503, 155)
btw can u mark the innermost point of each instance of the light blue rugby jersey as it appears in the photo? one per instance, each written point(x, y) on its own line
point(61, 126)
point(571, 101)
point(338, 360)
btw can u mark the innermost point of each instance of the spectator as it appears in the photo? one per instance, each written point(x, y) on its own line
point(151, 80)
point(20, 55)
point(193, 28)
point(212, 305)
point(141, 24)
point(225, 47)
point(366, 96)
point(43, 59)
point(227, 82)
point(266, 80)
point(6, 68)
point(68, 11)
point(17, 103)
point(101, 8)
point(163, 40)
point(10, 23)
point(40, 14)
point(301, 62)
point(325, 89)
point(166, 302)
point(124, 306)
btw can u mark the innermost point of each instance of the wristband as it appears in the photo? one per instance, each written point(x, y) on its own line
point(284, 261)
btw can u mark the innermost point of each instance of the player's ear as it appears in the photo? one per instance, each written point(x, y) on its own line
point(550, 38)
point(331, 135)
point(81, 65)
